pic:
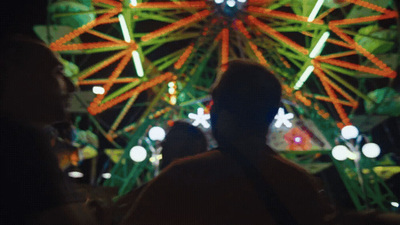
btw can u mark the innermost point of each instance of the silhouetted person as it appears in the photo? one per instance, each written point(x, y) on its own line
point(182, 140)
point(34, 94)
point(229, 185)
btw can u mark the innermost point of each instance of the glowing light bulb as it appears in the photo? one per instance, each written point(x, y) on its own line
point(348, 132)
point(371, 150)
point(106, 175)
point(231, 3)
point(138, 153)
point(340, 152)
point(75, 174)
point(156, 134)
point(98, 90)
point(218, 1)
point(242, 1)
point(395, 204)
point(297, 139)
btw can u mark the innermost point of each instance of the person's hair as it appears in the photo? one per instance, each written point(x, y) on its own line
point(248, 91)
point(183, 139)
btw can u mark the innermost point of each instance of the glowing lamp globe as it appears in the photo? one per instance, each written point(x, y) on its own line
point(371, 150)
point(348, 132)
point(75, 174)
point(340, 152)
point(138, 153)
point(156, 134)
point(231, 3)
point(218, 1)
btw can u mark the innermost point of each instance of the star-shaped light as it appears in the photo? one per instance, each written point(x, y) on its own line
point(200, 118)
point(283, 119)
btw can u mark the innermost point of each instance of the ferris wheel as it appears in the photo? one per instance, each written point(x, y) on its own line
point(149, 60)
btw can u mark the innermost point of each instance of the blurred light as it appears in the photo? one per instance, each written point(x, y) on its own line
point(172, 100)
point(307, 72)
point(371, 150)
point(395, 204)
point(156, 133)
point(242, 1)
point(75, 174)
point(340, 152)
point(138, 153)
point(171, 84)
point(282, 118)
point(106, 175)
point(171, 90)
point(200, 118)
point(218, 1)
point(231, 3)
point(315, 10)
point(297, 139)
point(348, 132)
point(134, 2)
point(138, 64)
point(320, 44)
point(98, 90)
point(124, 28)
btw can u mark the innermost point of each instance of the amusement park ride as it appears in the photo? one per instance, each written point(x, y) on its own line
point(151, 62)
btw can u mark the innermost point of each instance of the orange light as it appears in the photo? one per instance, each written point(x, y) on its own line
point(95, 107)
point(106, 37)
point(225, 48)
point(284, 15)
point(258, 54)
point(182, 59)
point(278, 36)
point(239, 25)
point(103, 81)
point(170, 5)
point(178, 24)
point(70, 47)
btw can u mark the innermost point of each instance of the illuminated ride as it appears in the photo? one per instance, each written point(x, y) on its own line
point(326, 53)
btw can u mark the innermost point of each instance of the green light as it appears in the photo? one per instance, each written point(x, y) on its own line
point(307, 72)
point(320, 44)
point(315, 10)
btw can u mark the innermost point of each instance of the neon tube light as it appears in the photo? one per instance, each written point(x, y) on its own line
point(315, 10)
point(124, 28)
point(320, 44)
point(307, 72)
point(133, 2)
point(138, 63)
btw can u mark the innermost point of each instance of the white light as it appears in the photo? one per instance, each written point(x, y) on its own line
point(138, 153)
point(98, 90)
point(320, 44)
point(371, 150)
point(340, 152)
point(395, 204)
point(218, 1)
point(171, 90)
point(106, 175)
point(133, 2)
point(315, 10)
point(138, 63)
point(307, 72)
point(171, 84)
point(297, 139)
point(282, 118)
point(348, 132)
point(124, 28)
point(156, 134)
point(75, 174)
point(242, 1)
point(231, 3)
point(200, 118)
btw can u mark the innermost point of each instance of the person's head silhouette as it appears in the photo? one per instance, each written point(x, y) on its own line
point(246, 98)
point(183, 139)
point(33, 88)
